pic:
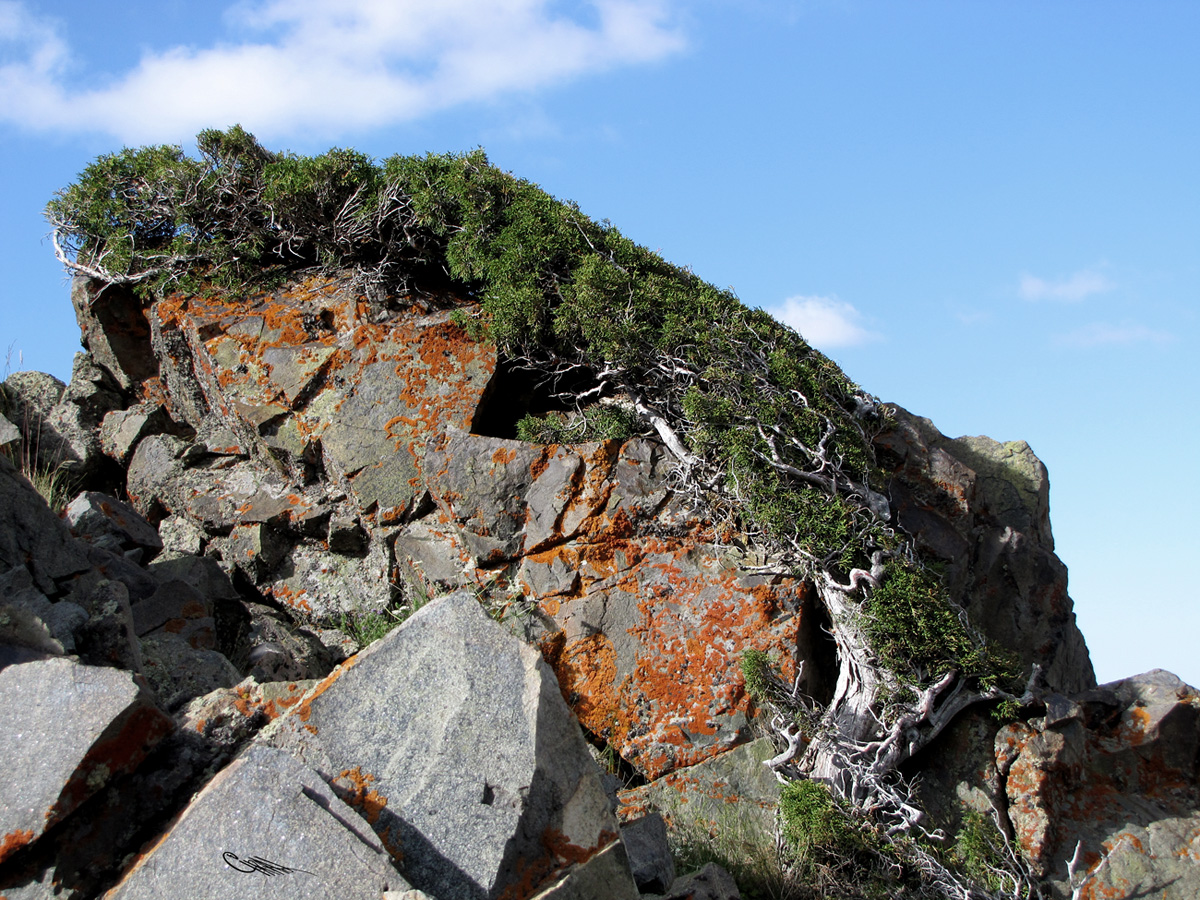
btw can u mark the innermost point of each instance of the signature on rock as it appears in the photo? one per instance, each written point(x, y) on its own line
point(257, 864)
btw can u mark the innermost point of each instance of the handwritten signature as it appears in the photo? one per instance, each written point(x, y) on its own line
point(257, 864)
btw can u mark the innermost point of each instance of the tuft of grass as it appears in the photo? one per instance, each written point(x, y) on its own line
point(742, 846)
point(367, 626)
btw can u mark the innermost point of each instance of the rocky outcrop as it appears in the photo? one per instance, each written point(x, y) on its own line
point(451, 737)
point(262, 485)
point(1110, 775)
point(983, 509)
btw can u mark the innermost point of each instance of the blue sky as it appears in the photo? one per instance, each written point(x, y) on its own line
point(987, 212)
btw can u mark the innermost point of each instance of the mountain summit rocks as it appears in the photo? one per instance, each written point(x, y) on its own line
point(261, 486)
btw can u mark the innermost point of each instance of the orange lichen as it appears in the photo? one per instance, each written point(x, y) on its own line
point(354, 787)
point(14, 841)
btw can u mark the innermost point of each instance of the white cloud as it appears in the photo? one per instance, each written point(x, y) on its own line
point(1071, 290)
point(825, 322)
point(328, 66)
point(1098, 334)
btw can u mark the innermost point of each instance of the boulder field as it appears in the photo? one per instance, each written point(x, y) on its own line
point(193, 701)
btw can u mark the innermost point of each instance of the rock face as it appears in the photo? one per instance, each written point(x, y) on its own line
point(1113, 771)
point(451, 737)
point(264, 827)
point(73, 728)
point(983, 508)
point(261, 486)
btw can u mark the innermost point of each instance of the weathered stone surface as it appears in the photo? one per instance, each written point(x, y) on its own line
point(8, 432)
point(733, 789)
point(710, 883)
point(32, 537)
point(89, 396)
point(179, 609)
point(641, 615)
point(228, 717)
point(179, 672)
point(121, 430)
point(75, 727)
point(452, 738)
point(323, 584)
point(983, 508)
point(93, 515)
point(215, 492)
point(264, 806)
point(180, 537)
point(114, 330)
point(109, 638)
point(650, 860)
point(304, 372)
point(1118, 769)
point(603, 876)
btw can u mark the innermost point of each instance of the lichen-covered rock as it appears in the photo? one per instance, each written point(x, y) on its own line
point(69, 729)
point(642, 615)
point(307, 375)
point(451, 737)
point(1109, 769)
point(982, 508)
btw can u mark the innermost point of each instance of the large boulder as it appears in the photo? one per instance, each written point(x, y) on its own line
point(266, 826)
point(1110, 775)
point(307, 375)
point(451, 738)
point(642, 614)
point(982, 508)
point(69, 729)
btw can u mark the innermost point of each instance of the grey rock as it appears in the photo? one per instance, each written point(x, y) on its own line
point(93, 515)
point(114, 330)
point(649, 852)
point(255, 549)
point(121, 430)
point(266, 807)
point(76, 727)
point(89, 396)
point(179, 672)
point(109, 638)
point(1120, 781)
point(8, 432)
point(179, 609)
point(318, 583)
point(180, 537)
point(710, 883)
point(732, 790)
point(604, 876)
point(982, 507)
point(32, 536)
point(217, 492)
point(453, 738)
